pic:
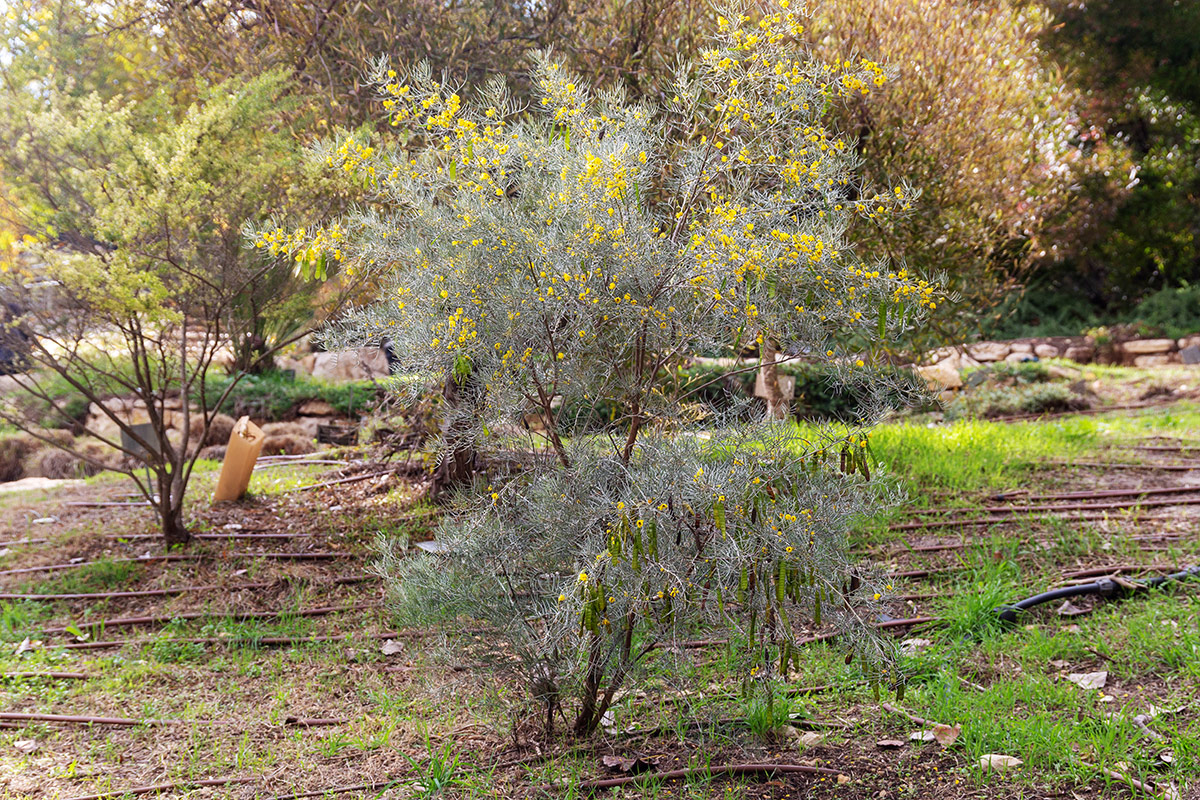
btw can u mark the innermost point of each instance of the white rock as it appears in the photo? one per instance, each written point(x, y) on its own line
point(1045, 351)
point(1140, 347)
point(1017, 358)
point(941, 376)
point(1021, 347)
point(999, 763)
point(988, 351)
point(1153, 360)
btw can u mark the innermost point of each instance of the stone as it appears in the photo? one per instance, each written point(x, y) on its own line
point(988, 351)
point(316, 408)
point(1020, 347)
point(941, 376)
point(1045, 351)
point(1017, 358)
point(1152, 360)
point(1189, 341)
point(787, 385)
point(1141, 347)
point(1190, 354)
point(356, 364)
point(1080, 353)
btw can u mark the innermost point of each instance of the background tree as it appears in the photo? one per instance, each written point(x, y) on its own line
point(984, 121)
point(575, 254)
point(1140, 64)
point(134, 274)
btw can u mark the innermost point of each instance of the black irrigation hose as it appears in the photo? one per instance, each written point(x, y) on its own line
point(1105, 587)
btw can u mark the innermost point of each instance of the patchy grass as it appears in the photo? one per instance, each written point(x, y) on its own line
point(429, 721)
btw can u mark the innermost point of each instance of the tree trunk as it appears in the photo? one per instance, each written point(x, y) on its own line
point(777, 405)
point(170, 510)
point(459, 462)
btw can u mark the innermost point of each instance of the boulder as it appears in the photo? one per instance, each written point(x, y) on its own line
point(1142, 347)
point(1190, 354)
point(941, 376)
point(1017, 358)
point(350, 365)
point(1045, 350)
point(1189, 341)
point(1152, 360)
point(988, 351)
point(1021, 347)
point(317, 408)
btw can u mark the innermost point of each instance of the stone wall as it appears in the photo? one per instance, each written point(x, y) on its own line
point(1081, 349)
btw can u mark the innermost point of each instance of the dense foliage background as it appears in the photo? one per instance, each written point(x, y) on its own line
point(1057, 143)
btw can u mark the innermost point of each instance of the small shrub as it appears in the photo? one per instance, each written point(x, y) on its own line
point(14, 450)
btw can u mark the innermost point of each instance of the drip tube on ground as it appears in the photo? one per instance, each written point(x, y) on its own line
point(1105, 587)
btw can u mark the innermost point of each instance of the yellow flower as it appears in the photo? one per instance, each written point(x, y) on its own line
point(583, 576)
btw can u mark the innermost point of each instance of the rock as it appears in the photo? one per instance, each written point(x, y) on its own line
point(1021, 347)
point(988, 351)
point(1141, 347)
point(1154, 360)
point(1045, 351)
point(1080, 353)
point(941, 376)
point(350, 365)
point(787, 385)
point(1189, 341)
point(1190, 354)
point(30, 484)
point(317, 408)
point(310, 424)
point(1017, 358)
point(299, 365)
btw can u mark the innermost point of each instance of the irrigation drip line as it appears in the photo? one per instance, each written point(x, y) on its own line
point(117, 721)
point(161, 619)
point(1121, 465)
point(728, 770)
point(1013, 507)
point(1105, 587)
point(1001, 520)
point(1112, 570)
point(78, 676)
point(358, 787)
point(139, 560)
point(182, 557)
point(262, 641)
point(339, 481)
point(211, 536)
point(161, 787)
point(180, 590)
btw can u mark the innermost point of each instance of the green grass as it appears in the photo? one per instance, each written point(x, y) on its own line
point(102, 575)
point(271, 396)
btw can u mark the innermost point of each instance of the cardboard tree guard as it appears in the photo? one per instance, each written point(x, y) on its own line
point(245, 443)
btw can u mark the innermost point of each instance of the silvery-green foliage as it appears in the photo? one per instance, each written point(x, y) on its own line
point(577, 253)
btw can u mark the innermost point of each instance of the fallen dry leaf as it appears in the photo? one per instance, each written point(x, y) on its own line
point(1089, 680)
point(921, 736)
point(26, 746)
point(999, 763)
point(911, 647)
point(843, 779)
point(809, 738)
point(946, 735)
point(628, 765)
point(1069, 609)
point(391, 647)
point(889, 743)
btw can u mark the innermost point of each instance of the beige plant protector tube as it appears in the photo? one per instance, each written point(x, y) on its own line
point(245, 443)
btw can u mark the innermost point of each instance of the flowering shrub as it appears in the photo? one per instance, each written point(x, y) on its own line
point(575, 252)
